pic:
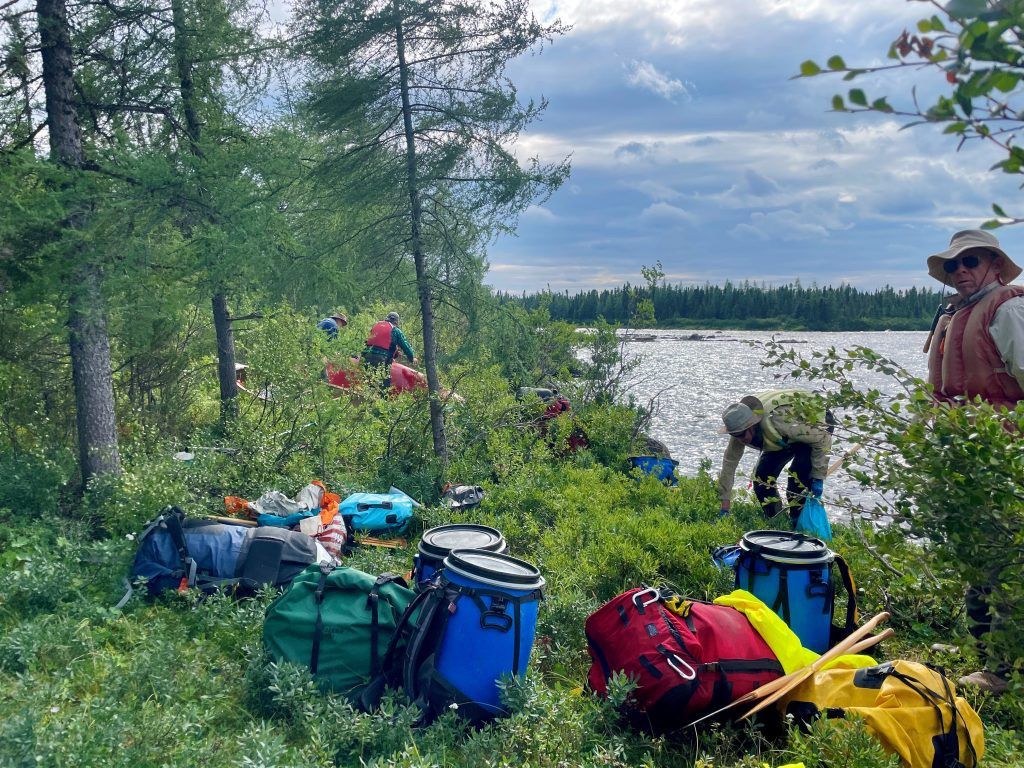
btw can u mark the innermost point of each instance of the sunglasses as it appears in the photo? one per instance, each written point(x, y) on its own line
point(970, 261)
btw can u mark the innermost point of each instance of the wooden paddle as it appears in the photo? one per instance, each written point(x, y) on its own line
point(855, 642)
point(802, 674)
point(842, 459)
point(370, 541)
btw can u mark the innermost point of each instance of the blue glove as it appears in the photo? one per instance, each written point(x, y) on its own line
point(817, 486)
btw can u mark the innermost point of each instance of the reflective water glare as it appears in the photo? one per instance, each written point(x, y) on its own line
point(698, 373)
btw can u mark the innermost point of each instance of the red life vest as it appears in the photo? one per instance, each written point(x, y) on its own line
point(380, 335)
point(963, 360)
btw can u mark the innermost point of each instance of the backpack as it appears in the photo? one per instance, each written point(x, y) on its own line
point(337, 622)
point(377, 512)
point(687, 657)
point(176, 552)
point(911, 708)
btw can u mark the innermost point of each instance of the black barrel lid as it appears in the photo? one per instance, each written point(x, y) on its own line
point(492, 568)
point(439, 541)
point(786, 546)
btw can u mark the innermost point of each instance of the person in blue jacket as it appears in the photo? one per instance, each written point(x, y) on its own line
point(332, 324)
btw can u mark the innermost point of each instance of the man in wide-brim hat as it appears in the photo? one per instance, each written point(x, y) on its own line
point(976, 349)
point(977, 345)
point(333, 323)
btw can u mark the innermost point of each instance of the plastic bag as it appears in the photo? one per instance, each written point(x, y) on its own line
point(814, 520)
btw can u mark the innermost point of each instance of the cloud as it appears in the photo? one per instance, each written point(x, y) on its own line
point(667, 214)
point(539, 213)
point(779, 225)
point(643, 74)
point(656, 190)
point(633, 150)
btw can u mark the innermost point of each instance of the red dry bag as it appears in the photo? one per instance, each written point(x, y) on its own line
point(686, 660)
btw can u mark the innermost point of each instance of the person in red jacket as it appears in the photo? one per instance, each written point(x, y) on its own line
point(976, 349)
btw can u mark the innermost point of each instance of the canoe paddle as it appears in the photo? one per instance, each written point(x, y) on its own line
point(856, 641)
point(801, 675)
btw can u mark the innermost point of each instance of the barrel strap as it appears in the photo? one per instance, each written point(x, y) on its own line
point(781, 604)
point(852, 617)
point(516, 638)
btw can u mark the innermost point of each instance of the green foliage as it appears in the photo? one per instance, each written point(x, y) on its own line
point(843, 742)
point(950, 474)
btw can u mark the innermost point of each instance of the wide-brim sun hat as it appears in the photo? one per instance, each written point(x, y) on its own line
point(741, 416)
point(966, 240)
point(340, 316)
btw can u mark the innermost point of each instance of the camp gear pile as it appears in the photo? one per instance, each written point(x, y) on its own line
point(175, 552)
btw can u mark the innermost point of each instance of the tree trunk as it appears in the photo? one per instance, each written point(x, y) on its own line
point(89, 342)
point(225, 357)
point(422, 278)
point(226, 373)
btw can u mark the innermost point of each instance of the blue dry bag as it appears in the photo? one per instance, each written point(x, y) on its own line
point(378, 512)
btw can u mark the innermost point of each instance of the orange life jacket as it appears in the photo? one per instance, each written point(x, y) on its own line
point(963, 360)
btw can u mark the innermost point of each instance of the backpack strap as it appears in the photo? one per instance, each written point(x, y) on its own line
point(370, 697)
point(318, 628)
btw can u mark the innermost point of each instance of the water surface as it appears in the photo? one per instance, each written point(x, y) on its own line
point(693, 375)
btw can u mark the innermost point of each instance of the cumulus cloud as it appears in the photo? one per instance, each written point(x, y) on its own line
point(539, 213)
point(643, 74)
point(779, 225)
point(666, 214)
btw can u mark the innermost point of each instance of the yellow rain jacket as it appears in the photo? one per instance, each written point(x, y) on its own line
point(781, 639)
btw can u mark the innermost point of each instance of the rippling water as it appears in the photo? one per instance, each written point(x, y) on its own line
point(694, 380)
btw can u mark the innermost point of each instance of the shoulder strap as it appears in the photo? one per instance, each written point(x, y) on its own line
point(369, 699)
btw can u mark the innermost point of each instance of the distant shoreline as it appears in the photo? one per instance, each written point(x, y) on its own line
point(780, 324)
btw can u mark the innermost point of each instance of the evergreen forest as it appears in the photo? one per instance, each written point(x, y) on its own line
point(746, 305)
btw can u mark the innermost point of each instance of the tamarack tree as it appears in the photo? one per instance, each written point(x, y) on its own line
point(419, 122)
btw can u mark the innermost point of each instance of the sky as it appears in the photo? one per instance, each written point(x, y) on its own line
point(690, 145)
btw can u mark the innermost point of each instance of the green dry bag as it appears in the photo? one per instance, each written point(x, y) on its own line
point(337, 622)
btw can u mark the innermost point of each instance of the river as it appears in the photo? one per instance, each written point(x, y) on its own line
point(695, 374)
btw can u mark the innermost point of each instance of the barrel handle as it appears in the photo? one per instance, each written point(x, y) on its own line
point(496, 613)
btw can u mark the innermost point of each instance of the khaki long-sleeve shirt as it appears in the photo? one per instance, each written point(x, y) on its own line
point(792, 431)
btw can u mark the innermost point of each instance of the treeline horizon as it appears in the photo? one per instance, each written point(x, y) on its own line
point(741, 305)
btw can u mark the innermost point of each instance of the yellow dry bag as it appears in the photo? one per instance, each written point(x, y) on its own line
point(911, 708)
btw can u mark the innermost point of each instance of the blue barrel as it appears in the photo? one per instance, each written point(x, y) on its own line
point(438, 542)
point(663, 469)
point(792, 574)
point(490, 633)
